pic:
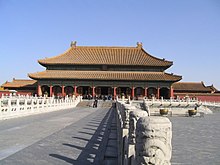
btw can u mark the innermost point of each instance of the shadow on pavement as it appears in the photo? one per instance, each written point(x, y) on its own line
point(80, 138)
point(93, 152)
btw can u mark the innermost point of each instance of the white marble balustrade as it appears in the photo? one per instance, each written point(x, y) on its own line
point(16, 106)
point(135, 146)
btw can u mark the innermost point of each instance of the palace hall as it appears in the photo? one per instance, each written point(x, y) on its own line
point(105, 71)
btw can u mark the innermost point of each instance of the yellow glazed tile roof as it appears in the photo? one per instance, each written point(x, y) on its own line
point(19, 83)
point(104, 75)
point(191, 86)
point(82, 55)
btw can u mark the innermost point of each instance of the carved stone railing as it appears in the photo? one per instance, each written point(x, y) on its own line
point(175, 106)
point(133, 118)
point(211, 104)
point(144, 136)
point(123, 111)
point(153, 141)
point(127, 118)
point(16, 106)
point(137, 129)
point(172, 102)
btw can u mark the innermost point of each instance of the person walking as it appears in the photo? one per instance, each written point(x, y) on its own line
point(95, 104)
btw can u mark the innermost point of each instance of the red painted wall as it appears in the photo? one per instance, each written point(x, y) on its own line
point(202, 97)
point(4, 92)
point(211, 98)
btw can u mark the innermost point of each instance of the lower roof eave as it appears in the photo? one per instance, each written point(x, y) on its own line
point(69, 79)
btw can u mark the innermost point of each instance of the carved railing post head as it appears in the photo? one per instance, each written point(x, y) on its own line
point(134, 115)
point(153, 140)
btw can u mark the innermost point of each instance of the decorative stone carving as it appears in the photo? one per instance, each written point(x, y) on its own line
point(139, 45)
point(73, 44)
point(153, 141)
point(133, 118)
point(127, 108)
point(123, 98)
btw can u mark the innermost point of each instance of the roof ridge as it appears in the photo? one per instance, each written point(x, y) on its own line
point(87, 47)
point(189, 82)
point(23, 80)
point(116, 47)
point(104, 71)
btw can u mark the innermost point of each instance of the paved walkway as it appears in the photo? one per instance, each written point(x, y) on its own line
point(196, 141)
point(77, 136)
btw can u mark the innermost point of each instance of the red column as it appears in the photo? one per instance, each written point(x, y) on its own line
point(145, 92)
point(132, 92)
point(171, 91)
point(158, 93)
point(93, 92)
point(114, 92)
point(75, 90)
point(63, 93)
point(51, 91)
point(39, 91)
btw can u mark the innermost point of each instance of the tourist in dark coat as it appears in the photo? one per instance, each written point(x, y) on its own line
point(95, 103)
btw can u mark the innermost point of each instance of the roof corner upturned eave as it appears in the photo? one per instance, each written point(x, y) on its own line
point(167, 63)
point(4, 84)
point(47, 61)
point(176, 77)
point(33, 76)
point(41, 62)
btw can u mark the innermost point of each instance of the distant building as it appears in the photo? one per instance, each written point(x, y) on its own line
point(19, 86)
point(196, 90)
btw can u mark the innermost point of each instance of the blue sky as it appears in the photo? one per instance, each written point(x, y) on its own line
point(186, 32)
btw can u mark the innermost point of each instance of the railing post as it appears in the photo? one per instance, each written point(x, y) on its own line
point(45, 104)
point(134, 115)
point(18, 105)
point(32, 104)
point(153, 140)
point(38, 105)
point(9, 105)
point(0, 102)
point(50, 101)
point(25, 105)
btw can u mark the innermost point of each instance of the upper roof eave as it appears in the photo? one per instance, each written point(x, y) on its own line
point(77, 56)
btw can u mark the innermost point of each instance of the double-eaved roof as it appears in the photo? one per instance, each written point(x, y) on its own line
point(83, 55)
point(110, 56)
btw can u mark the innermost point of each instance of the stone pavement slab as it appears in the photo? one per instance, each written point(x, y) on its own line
point(196, 141)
